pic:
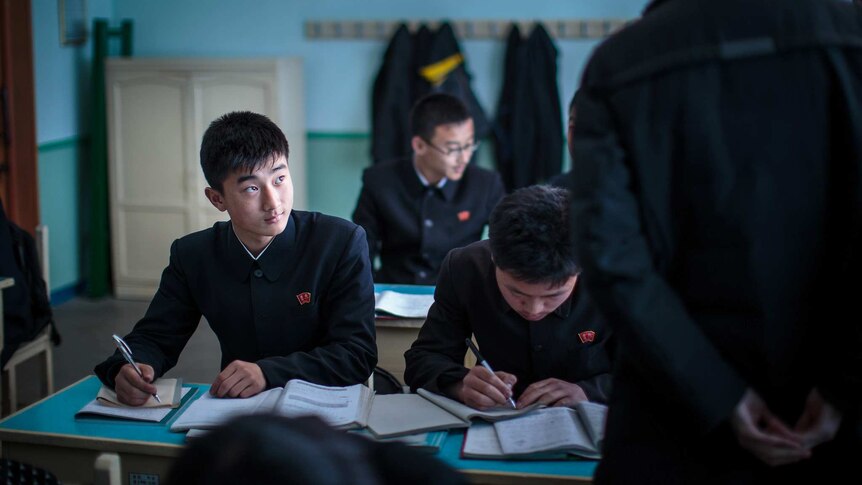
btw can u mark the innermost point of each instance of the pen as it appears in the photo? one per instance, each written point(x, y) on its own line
point(127, 354)
point(484, 363)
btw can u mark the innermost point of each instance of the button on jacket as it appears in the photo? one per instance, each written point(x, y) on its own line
point(467, 301)
point(412, 227)
point(304, 309)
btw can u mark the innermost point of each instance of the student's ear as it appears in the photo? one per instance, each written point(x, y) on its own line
point(418, 144)
point(216, 198)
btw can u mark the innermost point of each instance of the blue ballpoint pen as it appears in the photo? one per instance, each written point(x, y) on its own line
point(484, 363)
point(127, 354)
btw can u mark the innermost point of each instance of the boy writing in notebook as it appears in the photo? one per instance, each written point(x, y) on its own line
point(517, 293)
point(288, 293)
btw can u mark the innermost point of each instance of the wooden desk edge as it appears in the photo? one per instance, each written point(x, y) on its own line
point(399, 322)
point(90, 443)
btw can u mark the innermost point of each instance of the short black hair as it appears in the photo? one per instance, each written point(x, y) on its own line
point(271, 449)
point(240, 141)
point(268, 449)
point(435, 110)
point(529, 235)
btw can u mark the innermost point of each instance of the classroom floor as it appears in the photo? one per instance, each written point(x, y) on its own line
point(86, 326)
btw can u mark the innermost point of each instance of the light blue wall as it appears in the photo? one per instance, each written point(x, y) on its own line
point(62, 75)
point(339, 74)
point(59, 170)
point(338, 79)
point(62, 84)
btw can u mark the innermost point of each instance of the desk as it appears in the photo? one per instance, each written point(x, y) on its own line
point(506, 472)
point(396, 335)
point(47, 435)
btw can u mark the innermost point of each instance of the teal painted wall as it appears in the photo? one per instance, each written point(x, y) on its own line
point(339, 74)
point(335, 164)
point(60, 208)
point(62, 86)
point(338, 79)
point(61, 73)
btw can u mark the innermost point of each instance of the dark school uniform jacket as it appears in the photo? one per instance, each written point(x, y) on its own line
point(572, 343)
point(412, 227)
point(717, 209)
point(304, 309)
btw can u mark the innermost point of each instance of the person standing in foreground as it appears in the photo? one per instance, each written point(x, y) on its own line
point(288, 293)
point(717, 210)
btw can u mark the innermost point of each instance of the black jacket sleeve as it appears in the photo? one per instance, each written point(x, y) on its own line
point(646, 313)
point(161, 335)
point(436, 359)
point(367, 215)
point(347, 352)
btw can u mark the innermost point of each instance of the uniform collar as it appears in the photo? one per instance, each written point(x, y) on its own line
point(272, 261)
point(425, 182)
point(410, 178)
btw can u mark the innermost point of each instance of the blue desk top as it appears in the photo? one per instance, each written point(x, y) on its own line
point(450, 453)
point(409, 289)
point(56, 415)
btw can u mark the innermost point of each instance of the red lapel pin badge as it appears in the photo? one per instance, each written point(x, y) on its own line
point(587, 336)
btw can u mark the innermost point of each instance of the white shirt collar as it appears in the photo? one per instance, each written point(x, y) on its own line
point(252, 256)
point(425, 181)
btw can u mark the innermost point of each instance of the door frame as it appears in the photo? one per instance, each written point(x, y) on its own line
point(19, 112)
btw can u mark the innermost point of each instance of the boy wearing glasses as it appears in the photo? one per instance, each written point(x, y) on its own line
point(415, 211)
point(519, 295)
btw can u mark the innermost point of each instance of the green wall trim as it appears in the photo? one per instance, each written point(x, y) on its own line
point(62, 143)
point(323, 135)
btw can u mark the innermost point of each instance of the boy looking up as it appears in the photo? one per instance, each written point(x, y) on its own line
point(288, 293)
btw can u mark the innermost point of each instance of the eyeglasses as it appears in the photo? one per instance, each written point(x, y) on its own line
point(467, 150)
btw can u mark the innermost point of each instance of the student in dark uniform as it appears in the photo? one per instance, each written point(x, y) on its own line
point(415, 211)
point(288, 293)
point(518, 294)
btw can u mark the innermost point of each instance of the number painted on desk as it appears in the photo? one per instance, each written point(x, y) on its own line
point(143, 479)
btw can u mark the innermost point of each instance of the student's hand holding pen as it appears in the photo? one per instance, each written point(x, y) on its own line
point(134, 389)
point(483, 389)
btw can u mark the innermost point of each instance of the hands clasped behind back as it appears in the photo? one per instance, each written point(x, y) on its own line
point(770, 440)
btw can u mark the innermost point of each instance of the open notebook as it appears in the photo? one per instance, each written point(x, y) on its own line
point(404, 305)
point(405, 414)
point(167, 389)
point(341, 407)
point(98, 408)
point(546, 433)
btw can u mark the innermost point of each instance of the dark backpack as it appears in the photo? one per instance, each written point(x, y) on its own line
point(26, 308)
